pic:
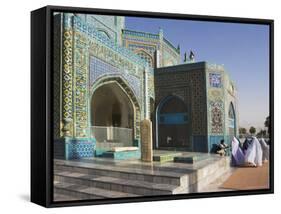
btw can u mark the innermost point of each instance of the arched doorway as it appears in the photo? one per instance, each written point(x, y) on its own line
point(173, 124)
point(112, 115)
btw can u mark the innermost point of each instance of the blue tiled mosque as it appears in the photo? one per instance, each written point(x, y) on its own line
point(107, 79)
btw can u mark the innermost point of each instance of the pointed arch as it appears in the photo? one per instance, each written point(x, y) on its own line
point(172, 123)
point(145, 55)
point(123, 85)
point(232, 120)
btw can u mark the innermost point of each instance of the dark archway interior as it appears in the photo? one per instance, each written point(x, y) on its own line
point(112, 116)
point(173, 127)
point(110, 106)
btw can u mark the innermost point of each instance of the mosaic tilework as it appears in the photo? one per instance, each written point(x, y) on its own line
point(145, 56)
point(99, 68)
point(151, 85)
point(140, 34)
point(111, 62)
point(173, 50)
point(188, 83)
point(67, 82)
point(148, 48)
point(170, 54)
point(79, 25)
point(217, 117)
point(215, 80)
point(81, 88)
point(138, 41)
point(76, 149)
point(189, 87)
point(56, 76)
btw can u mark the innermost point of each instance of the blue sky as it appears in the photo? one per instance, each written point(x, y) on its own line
point(243, 49)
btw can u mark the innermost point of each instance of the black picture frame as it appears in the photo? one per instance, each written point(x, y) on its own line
point(41, 105)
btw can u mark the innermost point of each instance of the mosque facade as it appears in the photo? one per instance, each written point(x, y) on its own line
point(107, 79)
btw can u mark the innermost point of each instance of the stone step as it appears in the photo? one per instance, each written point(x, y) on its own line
point(118, 184)
point(165, 157)
point(142, 178)
point(189, 159)
point(207, 174)
point(86, 192)
point(150, 175)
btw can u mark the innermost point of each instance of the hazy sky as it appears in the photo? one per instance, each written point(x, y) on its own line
point(243, 49)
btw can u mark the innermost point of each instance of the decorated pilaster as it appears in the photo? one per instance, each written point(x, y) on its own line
point(74, 96)
point(81, 82)
point(67, 77)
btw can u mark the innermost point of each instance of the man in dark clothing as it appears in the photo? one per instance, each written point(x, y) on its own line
point(222, 148)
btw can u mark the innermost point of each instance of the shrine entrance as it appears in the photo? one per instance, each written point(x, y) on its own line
point(173, 124)
point(112, 115)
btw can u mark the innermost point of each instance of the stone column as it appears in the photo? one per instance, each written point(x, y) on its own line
point(146, 141)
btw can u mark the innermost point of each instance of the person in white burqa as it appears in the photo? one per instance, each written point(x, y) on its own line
point(265, 150)
point(237, 153)
point(253, 155)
